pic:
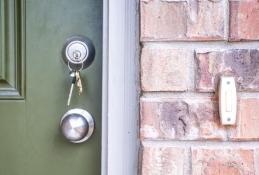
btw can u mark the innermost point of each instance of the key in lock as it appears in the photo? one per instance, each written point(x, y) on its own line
point(77, 54)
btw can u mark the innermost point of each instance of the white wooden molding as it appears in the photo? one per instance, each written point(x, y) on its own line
point(120, 113)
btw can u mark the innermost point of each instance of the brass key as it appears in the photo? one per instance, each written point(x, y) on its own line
point(79, 83)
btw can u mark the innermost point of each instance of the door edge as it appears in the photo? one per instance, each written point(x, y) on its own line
point(120, 92)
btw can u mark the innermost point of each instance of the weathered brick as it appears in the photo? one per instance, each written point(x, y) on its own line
point(244, 23)
point(183, 119)
point(222, 161)
point(247, 121)
point(162, 20)
point(163, 161)
point(209, 22)
point(241, 63)
point(180, 20)
point(165, 69)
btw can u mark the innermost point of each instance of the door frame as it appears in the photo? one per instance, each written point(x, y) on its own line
point(120, 94)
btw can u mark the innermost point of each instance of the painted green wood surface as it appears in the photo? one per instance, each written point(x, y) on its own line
point(31, 143)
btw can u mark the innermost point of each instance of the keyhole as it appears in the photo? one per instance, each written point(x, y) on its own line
point(76, 54)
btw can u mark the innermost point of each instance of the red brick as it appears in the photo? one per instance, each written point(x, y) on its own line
point(209, 23)
point(248, 121)
point(244, 23)
point(180, 119)
point(162, 20)
point(165, 69)
point(241, 63)
point(222, 161)
point(163, 161)
point(179, 20)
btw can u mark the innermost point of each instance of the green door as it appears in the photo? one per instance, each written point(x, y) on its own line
point(34, 86)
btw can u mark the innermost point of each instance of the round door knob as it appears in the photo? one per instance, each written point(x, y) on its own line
point(77, 125)
point(78, 52)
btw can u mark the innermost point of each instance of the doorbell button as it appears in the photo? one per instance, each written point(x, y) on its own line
point(77, 125)
point(227, 100)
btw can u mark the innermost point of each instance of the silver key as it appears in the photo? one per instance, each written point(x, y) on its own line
point(73, 81)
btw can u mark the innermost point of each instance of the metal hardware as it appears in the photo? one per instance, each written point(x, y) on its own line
point(78, 52)
point(72, 74)
point(227, 100)
point(75, 79)
point(77, 125)
point(79, 83)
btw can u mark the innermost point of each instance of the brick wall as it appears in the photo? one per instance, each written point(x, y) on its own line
point(186, 46)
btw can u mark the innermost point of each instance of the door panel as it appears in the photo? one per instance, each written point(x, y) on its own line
point(34, 87)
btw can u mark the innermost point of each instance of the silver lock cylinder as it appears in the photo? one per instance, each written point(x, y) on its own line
point(77, 125)
point(78, 52)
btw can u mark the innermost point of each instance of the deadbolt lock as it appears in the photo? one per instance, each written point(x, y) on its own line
point(78, 52)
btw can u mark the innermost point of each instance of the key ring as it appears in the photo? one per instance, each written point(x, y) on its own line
point(70, 69)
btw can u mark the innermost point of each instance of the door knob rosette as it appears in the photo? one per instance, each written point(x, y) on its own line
point(77, 125)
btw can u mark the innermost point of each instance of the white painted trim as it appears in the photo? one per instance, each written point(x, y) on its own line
point(104, 160)
point(120, 114)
